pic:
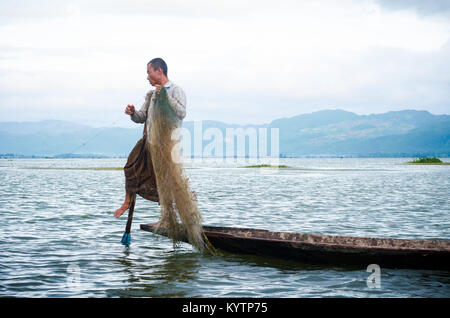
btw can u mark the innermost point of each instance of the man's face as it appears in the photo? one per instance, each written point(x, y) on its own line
point(153, 76)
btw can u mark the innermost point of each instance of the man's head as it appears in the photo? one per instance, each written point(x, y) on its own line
point(157, 72)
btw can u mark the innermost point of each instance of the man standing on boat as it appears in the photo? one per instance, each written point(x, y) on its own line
point(139, 173)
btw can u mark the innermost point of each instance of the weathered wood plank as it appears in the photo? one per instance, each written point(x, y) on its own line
point(329, 249)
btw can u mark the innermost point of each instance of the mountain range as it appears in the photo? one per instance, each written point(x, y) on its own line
point(406, 133)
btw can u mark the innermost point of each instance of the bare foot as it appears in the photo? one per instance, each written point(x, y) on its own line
point(121, 210)
point(159, 224)
point(155, 224)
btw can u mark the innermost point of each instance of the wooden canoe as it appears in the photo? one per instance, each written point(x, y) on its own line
point(328, 249)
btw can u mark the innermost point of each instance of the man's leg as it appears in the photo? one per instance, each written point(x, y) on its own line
point(168, 217)
point(124, 207)
point(165, 219)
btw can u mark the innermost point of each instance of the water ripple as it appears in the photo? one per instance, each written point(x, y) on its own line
point(59, 238)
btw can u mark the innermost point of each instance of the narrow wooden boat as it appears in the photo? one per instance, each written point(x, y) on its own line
point(328, 249)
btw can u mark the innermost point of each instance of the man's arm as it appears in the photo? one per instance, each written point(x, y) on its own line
point(178, 102)
point(139, 116)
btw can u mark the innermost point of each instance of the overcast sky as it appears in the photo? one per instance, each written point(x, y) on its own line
point(246, 62)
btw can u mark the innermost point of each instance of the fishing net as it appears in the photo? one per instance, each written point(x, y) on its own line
point(175, 197)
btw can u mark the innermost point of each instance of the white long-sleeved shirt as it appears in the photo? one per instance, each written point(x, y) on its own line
point(177, 100)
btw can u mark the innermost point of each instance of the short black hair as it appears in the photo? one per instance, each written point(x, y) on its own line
point(158, 63)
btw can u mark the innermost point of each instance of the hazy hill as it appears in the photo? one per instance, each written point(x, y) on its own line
point(328, 132)
point(336, 132)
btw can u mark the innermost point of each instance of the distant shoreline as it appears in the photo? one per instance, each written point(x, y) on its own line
point(92, 156)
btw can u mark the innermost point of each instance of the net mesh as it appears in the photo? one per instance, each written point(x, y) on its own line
point(176, 199)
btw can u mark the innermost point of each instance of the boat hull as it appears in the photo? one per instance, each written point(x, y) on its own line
point(328, 249)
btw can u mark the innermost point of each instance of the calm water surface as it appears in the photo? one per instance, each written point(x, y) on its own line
point(59, 237)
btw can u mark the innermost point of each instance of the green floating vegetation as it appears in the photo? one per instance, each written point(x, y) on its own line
point(428, 161)
point(267, 166)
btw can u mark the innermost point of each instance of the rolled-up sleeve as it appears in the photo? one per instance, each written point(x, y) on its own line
point(139, 116)
point(178, 102)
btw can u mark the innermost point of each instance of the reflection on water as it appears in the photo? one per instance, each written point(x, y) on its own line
point(159, 278)
point(59, 238)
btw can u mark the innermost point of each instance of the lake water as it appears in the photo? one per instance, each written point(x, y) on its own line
point(59, 237)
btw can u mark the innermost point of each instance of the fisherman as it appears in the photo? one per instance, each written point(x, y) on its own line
point(139, 173)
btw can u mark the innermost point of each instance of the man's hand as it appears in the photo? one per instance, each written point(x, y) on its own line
point(158, 88)
point(129, 110)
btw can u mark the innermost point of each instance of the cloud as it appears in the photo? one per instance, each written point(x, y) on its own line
point(238, 61)
point(429, 7)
